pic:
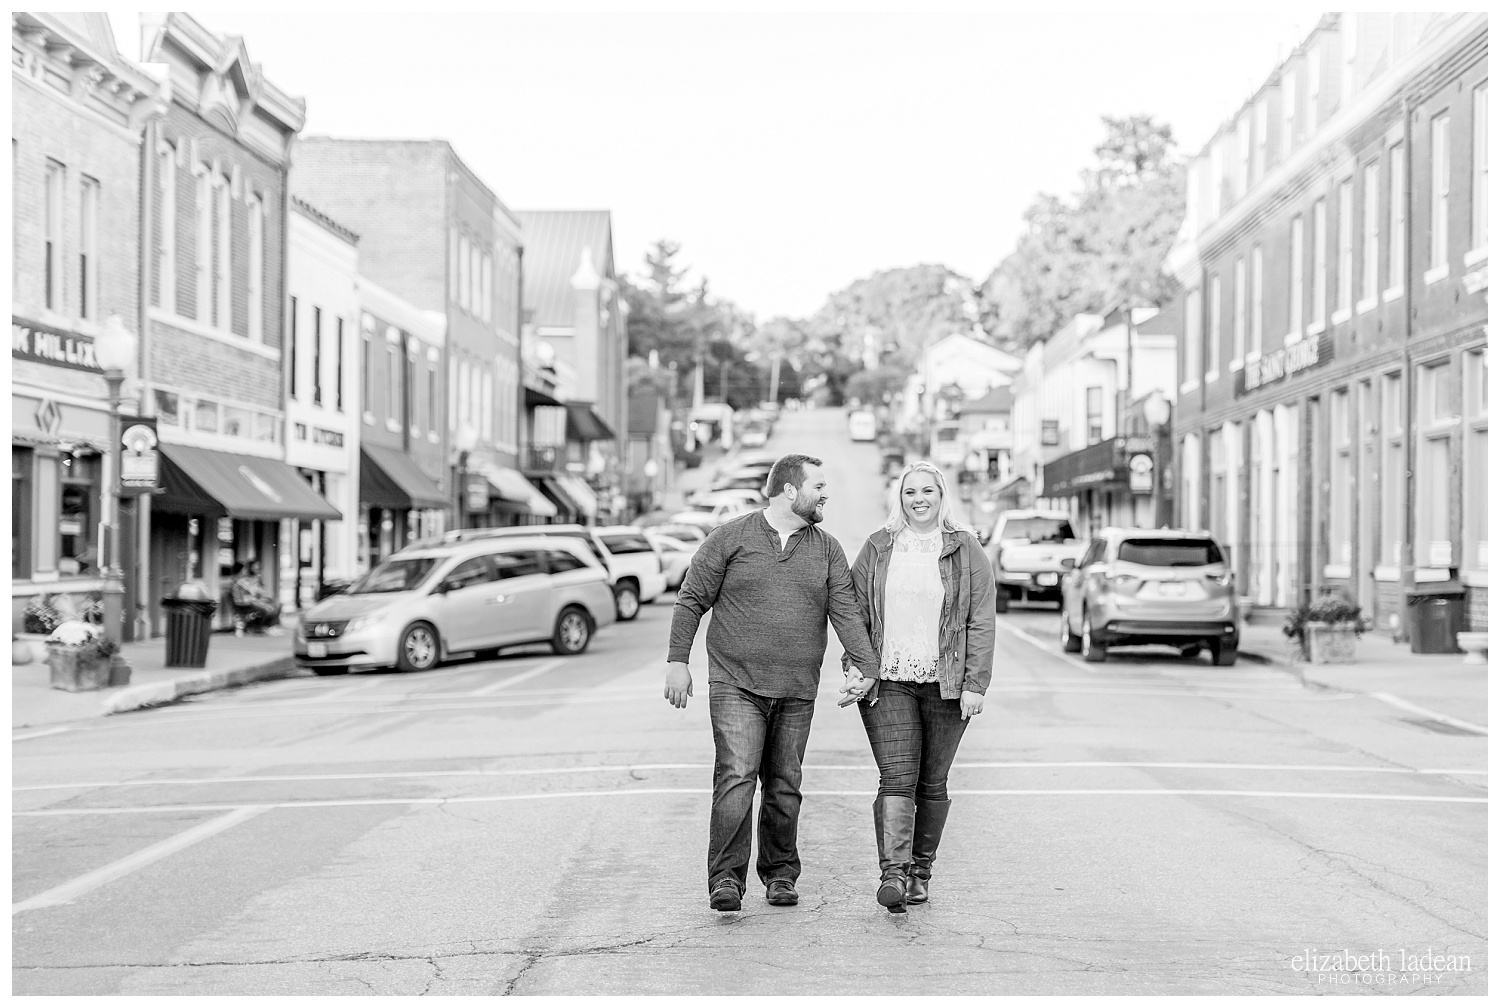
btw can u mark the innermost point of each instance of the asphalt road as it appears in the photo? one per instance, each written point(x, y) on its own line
point(538, 826)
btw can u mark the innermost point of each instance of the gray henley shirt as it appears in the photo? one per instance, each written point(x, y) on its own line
point(771, 608)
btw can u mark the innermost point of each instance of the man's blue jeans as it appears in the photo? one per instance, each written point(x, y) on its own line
point(755, 737)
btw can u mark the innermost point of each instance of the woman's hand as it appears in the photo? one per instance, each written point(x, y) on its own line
point(970, 704)
point(855, 690)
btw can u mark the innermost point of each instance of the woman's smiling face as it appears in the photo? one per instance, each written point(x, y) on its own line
point(921, 498)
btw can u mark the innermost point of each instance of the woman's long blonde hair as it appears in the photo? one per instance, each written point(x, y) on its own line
point(947, 521)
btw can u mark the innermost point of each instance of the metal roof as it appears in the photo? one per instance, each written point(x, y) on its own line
point(554, 242)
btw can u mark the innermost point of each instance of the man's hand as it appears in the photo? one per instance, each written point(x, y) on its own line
point(679, 684)
point(855, 690)
point(970, 703)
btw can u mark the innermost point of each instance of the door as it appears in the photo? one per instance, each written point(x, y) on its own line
point(520, 607)
point(464, 613)
point(1075, 583)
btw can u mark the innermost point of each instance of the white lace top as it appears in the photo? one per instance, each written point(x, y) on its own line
point(913, 607)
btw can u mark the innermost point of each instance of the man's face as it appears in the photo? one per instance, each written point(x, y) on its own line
point(814, 493)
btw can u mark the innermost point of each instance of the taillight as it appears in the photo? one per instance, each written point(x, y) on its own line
point(1124, 582)
point(1222, 580)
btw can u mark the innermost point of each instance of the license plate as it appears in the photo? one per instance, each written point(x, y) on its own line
point(1046, 579)
point(1173, 588)
point(317, 650)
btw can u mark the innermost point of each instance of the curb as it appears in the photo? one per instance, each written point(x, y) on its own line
point(155, 694)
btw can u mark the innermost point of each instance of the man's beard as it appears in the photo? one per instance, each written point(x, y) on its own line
point(806, 508)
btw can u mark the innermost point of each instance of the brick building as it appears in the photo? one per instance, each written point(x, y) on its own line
point(214, 169)
point(78, 114)
point(435, 236)
point(1332, 414)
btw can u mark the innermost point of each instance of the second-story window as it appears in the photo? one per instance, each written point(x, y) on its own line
point(221, 254)
point(432, 395)
point(486, 288)
point(256, 269)
point(1258, 168)
point(1192, 345)
point(1320, 263)
point(1239, 314)
point(1314, 87)
point(463, 271)
point(1349, 79)
point(204, 243)
point(317, 356)
point(1297, 280)
point(291, 348)
point(52, 236)
point(1288, 110)
point(366, 363)
point(1438, 252)
point(1345, 279)
point(1480, 181)
point(1397, 277)
point(1370, 266)
point(1215, 325)
point(1257, 300)
point(88, 248)
point(393, 377)
point(338, 376)
point(166, 241)
point(1094, 403)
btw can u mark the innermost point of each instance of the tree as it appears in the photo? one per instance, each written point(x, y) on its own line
point(1103, 246)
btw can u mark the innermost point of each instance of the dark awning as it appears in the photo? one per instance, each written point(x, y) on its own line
point(1102, 464)
point(581, 493)
point(390, 479)
point(199, 481)
point(586, 425)
point(536, 397)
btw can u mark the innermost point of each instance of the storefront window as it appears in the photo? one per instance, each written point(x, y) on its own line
point(21, 461)
point(266, 427)
point(1476, 470)
point(78, 513)
point(1341, 488)
point(1435, 412)
point(236, 422)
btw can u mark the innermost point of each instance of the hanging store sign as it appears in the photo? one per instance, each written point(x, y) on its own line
point(138, 455)
point(476, 493)
point(29, 341)
point(1281, 363)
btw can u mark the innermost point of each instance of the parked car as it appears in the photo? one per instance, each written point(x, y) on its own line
point(712, 514)
point(676, 556)
point(862, 426)
point(423, 605)
point(754, 459)
point(749, 496)
point(1151, 586)
point(755, 433)
point(633, 578)
point(692, 535)
point(1027, 549)
point(638, 564)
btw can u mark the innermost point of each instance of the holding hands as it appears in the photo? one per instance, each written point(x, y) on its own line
point(856, 688)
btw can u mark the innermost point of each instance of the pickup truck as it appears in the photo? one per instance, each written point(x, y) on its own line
point(1027, 549)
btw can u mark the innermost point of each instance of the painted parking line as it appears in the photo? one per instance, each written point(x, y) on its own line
point(69, 891)
point(863, 793)
point(43, 733)
point(1412, 708)
point(639, 767)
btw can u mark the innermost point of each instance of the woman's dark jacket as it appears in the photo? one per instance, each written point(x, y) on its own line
point(966, 630)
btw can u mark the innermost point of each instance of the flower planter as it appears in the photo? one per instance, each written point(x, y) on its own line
point(1330, 643)
point(78, 668)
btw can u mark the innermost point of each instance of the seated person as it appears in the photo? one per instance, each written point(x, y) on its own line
point(254, 608)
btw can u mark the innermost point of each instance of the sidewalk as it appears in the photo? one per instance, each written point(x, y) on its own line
point(1440, 682)
point(232, 661)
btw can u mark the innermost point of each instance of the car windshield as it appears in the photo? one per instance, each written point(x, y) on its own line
point(1038, 530)
point(394, 576)
point(1170, 552)
point(700, 507)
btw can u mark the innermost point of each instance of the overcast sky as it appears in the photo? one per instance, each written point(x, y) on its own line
point(790, 154)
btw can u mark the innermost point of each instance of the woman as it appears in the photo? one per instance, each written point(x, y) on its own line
point(928, 599)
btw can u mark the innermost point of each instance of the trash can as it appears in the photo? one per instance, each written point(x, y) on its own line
point(190, 617)
point(1435, 615)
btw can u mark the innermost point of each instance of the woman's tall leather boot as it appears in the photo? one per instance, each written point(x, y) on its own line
point(895, 818)
point(931, 817)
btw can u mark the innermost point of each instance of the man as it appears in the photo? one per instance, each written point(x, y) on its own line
point(254, 608)
point(774, 581)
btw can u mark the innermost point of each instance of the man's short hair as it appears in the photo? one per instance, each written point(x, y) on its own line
point(789, 469)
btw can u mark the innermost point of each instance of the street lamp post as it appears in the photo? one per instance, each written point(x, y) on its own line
point(464, 439)
point(1158, 413)
point(115, 351)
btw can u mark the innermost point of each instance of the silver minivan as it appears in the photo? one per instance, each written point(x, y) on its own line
point(420, 606)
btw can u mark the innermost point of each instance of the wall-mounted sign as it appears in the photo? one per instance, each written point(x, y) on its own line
point(138, 455)
point(476, 493)
point(30, 341)
point(1282, 362)
point(1049, 433)
point(1141, 468)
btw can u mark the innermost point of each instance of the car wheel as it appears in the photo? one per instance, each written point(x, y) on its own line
point(418, 650)
point(1092, 648)
point(1224, 654)
point(627, 601)
point(572, 633)
point(1192, 650)
point(330, 671)
point(1002, 599)
point(1071, 642)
